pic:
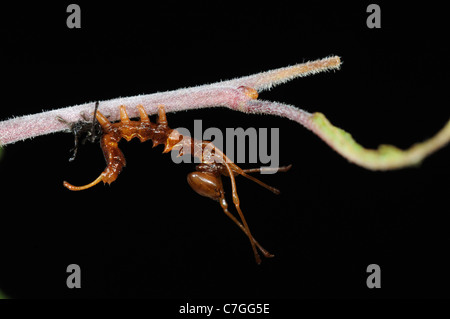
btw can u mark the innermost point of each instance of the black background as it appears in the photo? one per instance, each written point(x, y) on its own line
point(148, 234)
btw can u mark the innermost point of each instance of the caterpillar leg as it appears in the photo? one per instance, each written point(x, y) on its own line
point(224, 205)
point(162, 118)
point(241, 215)
point(243, 172)
point(267, 170)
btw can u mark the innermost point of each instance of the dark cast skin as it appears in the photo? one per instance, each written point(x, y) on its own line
point(206, 180)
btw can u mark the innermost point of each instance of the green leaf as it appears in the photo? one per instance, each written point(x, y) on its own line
point(386, 157)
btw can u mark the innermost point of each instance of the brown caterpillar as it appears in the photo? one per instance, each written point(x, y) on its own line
point(206, 180)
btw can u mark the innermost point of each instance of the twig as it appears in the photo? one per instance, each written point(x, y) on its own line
point(226, 93)
point(240, 95)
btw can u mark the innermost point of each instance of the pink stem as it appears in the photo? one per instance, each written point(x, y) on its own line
point(233, 94)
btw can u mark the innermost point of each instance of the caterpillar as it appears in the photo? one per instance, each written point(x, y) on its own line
point(206, 180)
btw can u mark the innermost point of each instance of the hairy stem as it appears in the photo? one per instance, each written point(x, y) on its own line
point(238, 94)
point(226, 93)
